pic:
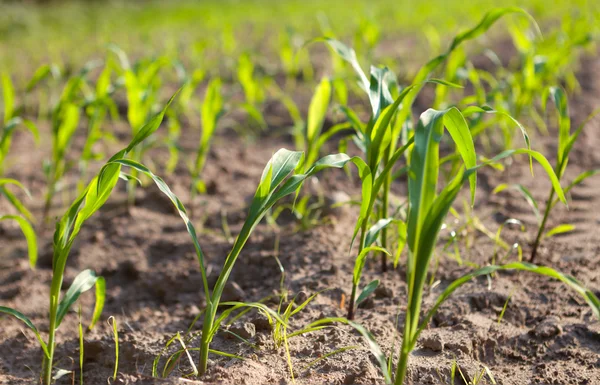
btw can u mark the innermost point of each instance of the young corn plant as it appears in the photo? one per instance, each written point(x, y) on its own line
point(427, 212)
point(566, 141)
point(181, 109)
point(317, 111)
point(380, 143)
point(295, 61)
point(274, 185)
point(254, 90)
point(98, 104)
point(67, 229)
point(142, 83)
point(65, 120)
point(211, 110)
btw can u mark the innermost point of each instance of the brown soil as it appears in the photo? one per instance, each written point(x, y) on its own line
point(547, 335)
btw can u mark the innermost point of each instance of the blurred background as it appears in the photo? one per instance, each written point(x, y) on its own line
point(70, 33)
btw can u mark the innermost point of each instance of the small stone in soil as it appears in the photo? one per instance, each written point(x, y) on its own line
point(98, 237)
point(383, 291)
point(129, 270)
point(301, 297)
point(548, 328)
point(434, 342)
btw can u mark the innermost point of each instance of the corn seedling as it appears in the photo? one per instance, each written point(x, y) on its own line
point(65, 120)
point(112, 322)
point(141, 84)
point(181, 108)
point(212, 109)
point(273, 186)
point(98, 104)
point(280, 330)
point(67, 229)
point(566, 141)
point(81, 346)
point(45, 96)
point(317, 111)
point(426, 216)
point(254, 90)
point(379, 143)
point(294, 60)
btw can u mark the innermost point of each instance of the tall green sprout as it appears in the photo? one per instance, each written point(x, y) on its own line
point(65, 120)
point(274, 185)
point(211, 110)
point(253, 87)
point(67, 229)
point(380, 87)
point(427, 212)
point(142, 83)
point(97, 106)
point(181, 109)
point(566, 141)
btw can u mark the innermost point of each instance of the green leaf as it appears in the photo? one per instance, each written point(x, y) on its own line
point(373, 232)
point(359, 264)
point(379, 89)
point(541, 159)
point(8, 96)
point(366, 291)
point(82, 283)
point(486, 22)
point(578, 180)
point(63, 131)
point(559, 98)
point(29, 234)
point(39, 75)
point(211, 111)
point(100, 299)
point(459, 131)
point(150, 127)
point(21, 317)
point(402, 230)
point(317, 110)
point(488, 110)
point(17, 204)
point(348, 55)
point(560, 229)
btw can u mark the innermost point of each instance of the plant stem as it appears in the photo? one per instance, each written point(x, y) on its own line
point(363, 234)
point(59, 260)
point(542, 227)
point(48, 200)
point(351, 304)
point(206, 338)
point(132, 183)
point(403, 360)
point(384, 214)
